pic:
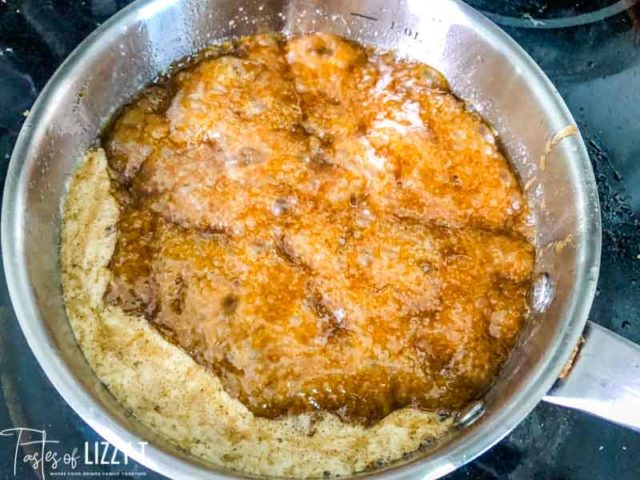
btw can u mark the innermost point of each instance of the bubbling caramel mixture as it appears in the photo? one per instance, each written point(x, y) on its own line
point(324, 226)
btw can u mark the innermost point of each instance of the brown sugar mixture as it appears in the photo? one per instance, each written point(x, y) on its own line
point(324, 226)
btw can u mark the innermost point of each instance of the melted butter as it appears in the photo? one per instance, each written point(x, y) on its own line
point(324, 226)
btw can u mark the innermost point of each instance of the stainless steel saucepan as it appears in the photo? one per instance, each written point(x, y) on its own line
point(484, 66)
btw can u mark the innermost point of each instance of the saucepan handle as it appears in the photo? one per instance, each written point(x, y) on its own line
point(604, 379)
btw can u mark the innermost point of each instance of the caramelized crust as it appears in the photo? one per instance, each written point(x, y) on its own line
point(324, 226)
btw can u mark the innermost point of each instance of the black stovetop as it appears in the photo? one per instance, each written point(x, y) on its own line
point(590, 50)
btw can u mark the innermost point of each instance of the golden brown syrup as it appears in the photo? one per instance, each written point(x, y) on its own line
point(324, 226)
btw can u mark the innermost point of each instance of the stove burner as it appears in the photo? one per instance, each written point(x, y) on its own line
point(572, 39)
point(551, 15)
